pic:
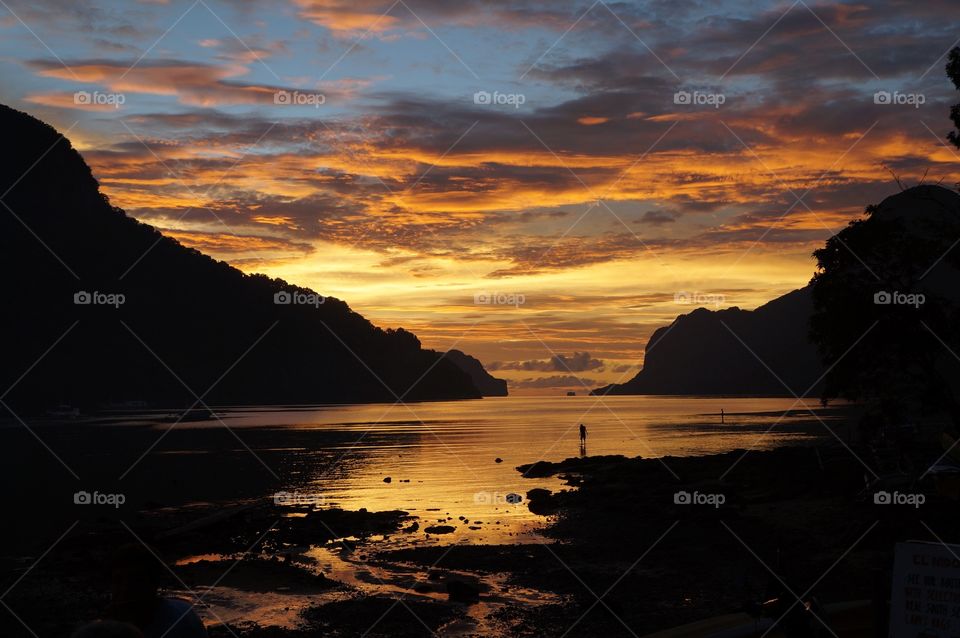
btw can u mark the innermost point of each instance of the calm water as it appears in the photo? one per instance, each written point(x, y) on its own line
point(441, 457)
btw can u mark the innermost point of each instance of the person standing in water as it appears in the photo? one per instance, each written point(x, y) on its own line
point(583, 434)
point(721, 415)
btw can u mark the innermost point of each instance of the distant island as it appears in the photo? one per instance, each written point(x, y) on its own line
point(770, 350)
point(103, 309)
point(487, 384)
point(701, 352)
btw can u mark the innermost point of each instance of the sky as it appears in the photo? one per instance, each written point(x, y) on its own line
point(540, 184)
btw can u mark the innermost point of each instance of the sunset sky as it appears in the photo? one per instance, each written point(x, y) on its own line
point(600, 162)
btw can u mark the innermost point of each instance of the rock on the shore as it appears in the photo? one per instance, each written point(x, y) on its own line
point(439, 529)
point(463, 592)
point(541, 501)
point(541, 469)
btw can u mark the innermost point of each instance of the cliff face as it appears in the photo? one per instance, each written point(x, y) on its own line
point(488, 385)
point(732, 351)
point(128, 314)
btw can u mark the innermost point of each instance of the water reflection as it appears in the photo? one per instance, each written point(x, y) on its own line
point(453, 463)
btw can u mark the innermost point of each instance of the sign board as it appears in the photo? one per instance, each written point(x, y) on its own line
point(925, 600)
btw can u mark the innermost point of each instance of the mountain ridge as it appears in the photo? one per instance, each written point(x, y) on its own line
point(189, 325)
point(769, 350)
point(731, 351)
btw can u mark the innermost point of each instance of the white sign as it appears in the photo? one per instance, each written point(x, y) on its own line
point(925, 601)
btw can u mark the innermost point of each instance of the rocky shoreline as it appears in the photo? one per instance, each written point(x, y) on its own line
point(632, 546)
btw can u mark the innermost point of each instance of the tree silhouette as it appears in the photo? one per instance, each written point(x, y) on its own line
point(880, 348)
point(901, 357)
point(953, 72)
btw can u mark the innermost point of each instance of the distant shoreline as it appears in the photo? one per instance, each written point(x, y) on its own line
point(292, 407)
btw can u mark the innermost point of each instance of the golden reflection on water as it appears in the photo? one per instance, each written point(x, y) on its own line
point(438, 461)
point(442, 463)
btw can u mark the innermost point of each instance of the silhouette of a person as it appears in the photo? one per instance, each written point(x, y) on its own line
point(135, 599)
point(721, 415)
point(583, 434)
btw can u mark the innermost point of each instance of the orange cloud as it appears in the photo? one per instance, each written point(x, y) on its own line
point(592, 121)
point(349, 16)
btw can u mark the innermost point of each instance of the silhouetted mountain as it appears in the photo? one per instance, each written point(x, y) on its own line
point(903, 246)
point(188, 323)
point(488, 385)
point(729, 352)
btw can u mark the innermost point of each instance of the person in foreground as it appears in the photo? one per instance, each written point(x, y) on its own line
point(135, 578)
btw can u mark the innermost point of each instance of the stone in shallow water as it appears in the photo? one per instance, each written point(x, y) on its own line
point(463, 592)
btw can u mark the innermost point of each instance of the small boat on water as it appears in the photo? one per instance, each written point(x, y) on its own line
point(196, 414)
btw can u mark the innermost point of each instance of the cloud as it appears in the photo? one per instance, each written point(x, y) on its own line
point(657, 218)
point(191, 83)
point(577, 362)
point(623, 367)
point(556, 381)
point(364, 17)
point(421, 175)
